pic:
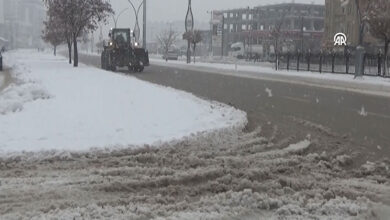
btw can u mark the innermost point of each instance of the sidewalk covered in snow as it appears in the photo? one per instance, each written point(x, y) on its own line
point(53, 106)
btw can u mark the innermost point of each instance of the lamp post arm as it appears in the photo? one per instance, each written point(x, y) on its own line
point(139, 7)
point(135, 10)
point(117, 18)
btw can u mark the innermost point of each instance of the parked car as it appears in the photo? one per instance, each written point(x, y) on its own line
point(171, 55)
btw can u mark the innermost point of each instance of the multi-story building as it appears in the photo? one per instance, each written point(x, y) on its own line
point(301, 27)
point(343, 18)
point(2, 24)
point(21, 22)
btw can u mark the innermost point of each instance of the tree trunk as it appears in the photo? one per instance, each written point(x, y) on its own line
point(361, 23)
point(55, 50)
point(68, 41)
point(386, 64)
point(276, 55)
point(76, 52)
point(194, 52)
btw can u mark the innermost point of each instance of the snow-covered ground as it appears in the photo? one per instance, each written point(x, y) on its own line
point(218, 175)
point(367, 84)
point(53, 106)
point(221, 176)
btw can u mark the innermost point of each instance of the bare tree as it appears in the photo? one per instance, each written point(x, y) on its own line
point(59, 22)
point(379, 24)
point(276, 33)
point(167, 39)
point(362, 9)
point(53, 33)
point(194, 37)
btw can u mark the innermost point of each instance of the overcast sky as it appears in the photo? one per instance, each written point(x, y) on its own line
point(170, 10)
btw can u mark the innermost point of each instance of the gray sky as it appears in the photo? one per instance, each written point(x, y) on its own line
point(170, 10)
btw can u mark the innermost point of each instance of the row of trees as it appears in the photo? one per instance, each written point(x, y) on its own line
point(69, 20)
point(194, 37)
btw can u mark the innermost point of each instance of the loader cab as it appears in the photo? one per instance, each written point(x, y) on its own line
point(120, 37)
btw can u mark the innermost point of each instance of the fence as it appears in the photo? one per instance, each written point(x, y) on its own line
point(342, 63)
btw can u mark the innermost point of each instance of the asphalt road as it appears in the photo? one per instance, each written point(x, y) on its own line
point(286, 110)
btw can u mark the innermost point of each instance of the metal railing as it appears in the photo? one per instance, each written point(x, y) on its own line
point(341, 63)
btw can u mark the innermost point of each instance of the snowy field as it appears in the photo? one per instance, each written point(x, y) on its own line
point(53, 106)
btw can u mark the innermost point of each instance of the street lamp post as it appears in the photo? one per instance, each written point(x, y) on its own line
point(189, 26)
point(117, 18)
point(211, 32)
point(223, 35)
point(136, 13)
point(144, 26)
point(137, 28)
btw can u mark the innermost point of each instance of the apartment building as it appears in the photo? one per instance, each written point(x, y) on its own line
point(301, 27)
point(21, 22)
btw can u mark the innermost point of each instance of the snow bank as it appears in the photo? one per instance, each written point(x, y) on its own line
point(54, 106)
point(14, 96)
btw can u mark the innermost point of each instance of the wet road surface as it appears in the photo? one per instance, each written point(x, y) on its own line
point(363, 121)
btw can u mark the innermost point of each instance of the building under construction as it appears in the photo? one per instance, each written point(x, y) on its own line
point(288, 27)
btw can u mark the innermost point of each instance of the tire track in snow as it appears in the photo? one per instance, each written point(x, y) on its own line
point(219, 176)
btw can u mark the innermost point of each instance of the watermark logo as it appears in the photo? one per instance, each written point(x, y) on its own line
point(340, 39)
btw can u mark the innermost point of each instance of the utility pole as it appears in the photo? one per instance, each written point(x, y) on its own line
point(302, 33)
point(189, 26)
point(144, 27)
point(223, 35)
point(211, 32)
